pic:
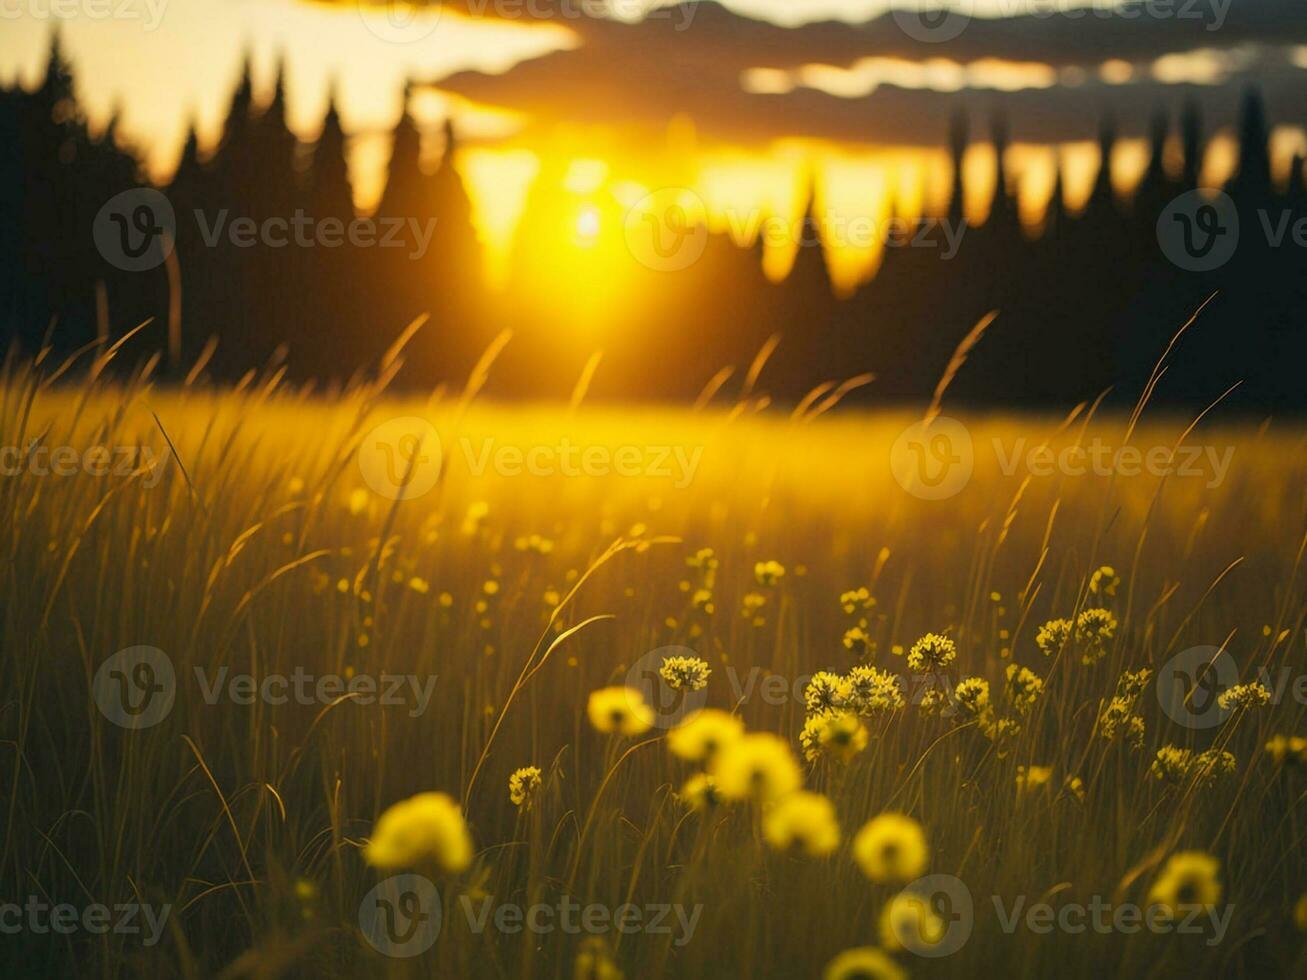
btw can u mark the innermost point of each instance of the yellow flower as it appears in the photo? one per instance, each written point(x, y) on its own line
point(619, 709)
point(1052, 636)
point(685, 673)
point(841, 736)
point(1245, 696)
point(759, 766)
point(595, 962)
point(522, 785)
point(910, 915)
point(1030, 778)
point(1287, 748)
point(803, 820)
point(1074, 786)
point(700, 792)
point(1189, 879)
point(864, 963)
point(768, 572)
point(825, 692)
point(868, 690)
point(428, 826)
point(1104, 581)
point(1024, 687)
point(931, 653)
point(703, 733)
point(972, 696)
point(1094, 631)
point(855, 599)
point(1300, 914)
point(891, 847)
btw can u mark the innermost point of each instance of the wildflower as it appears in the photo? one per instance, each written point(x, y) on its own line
point(595, 962)
point(1074, 786)
point(703, 733)
point(702, 559)
point(1094, 631)
point(858, 640)
point(426, 827)
point(891, 847)
point(864, 963)
point(759, 766)
point(933, 701)
point(685, 673)
point(1104, 581)
point(825, 692)
point(855, 599)
point(1244, 696)
point(1188, 879)
point(1052, 636)
point(1117, 720)
point(1030, 778)
point(700, 792)
point(768, 573)
point(619, 709)
point(803, 820)
point(840, 735)
point(931, 653)
point(751, 604)
point(1132, 683)
point(523, 784)
point(909, 915)
point(1024, 687)
point(1172, 764)
point(868, 690)
point(1212, 766)
point(972, 695)
point(702, 599)
point(1287, 748)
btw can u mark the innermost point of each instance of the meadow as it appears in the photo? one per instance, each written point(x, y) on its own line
point(330, 650)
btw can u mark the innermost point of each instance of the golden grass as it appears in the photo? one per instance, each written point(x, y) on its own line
point(269, 554)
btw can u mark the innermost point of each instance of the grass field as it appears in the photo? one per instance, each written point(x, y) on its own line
point(557, 551)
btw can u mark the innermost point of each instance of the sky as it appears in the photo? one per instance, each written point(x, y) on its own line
point(748, 102)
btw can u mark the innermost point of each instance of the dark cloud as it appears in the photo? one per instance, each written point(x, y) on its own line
point(688, 60)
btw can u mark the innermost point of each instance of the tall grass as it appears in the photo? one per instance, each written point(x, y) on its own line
point(260, 549)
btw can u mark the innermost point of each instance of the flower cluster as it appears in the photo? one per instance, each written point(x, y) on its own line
point(685, 673)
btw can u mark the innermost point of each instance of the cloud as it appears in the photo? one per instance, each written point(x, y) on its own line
point(688, 61)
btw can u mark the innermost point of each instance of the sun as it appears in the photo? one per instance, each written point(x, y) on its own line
point(587, 226)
